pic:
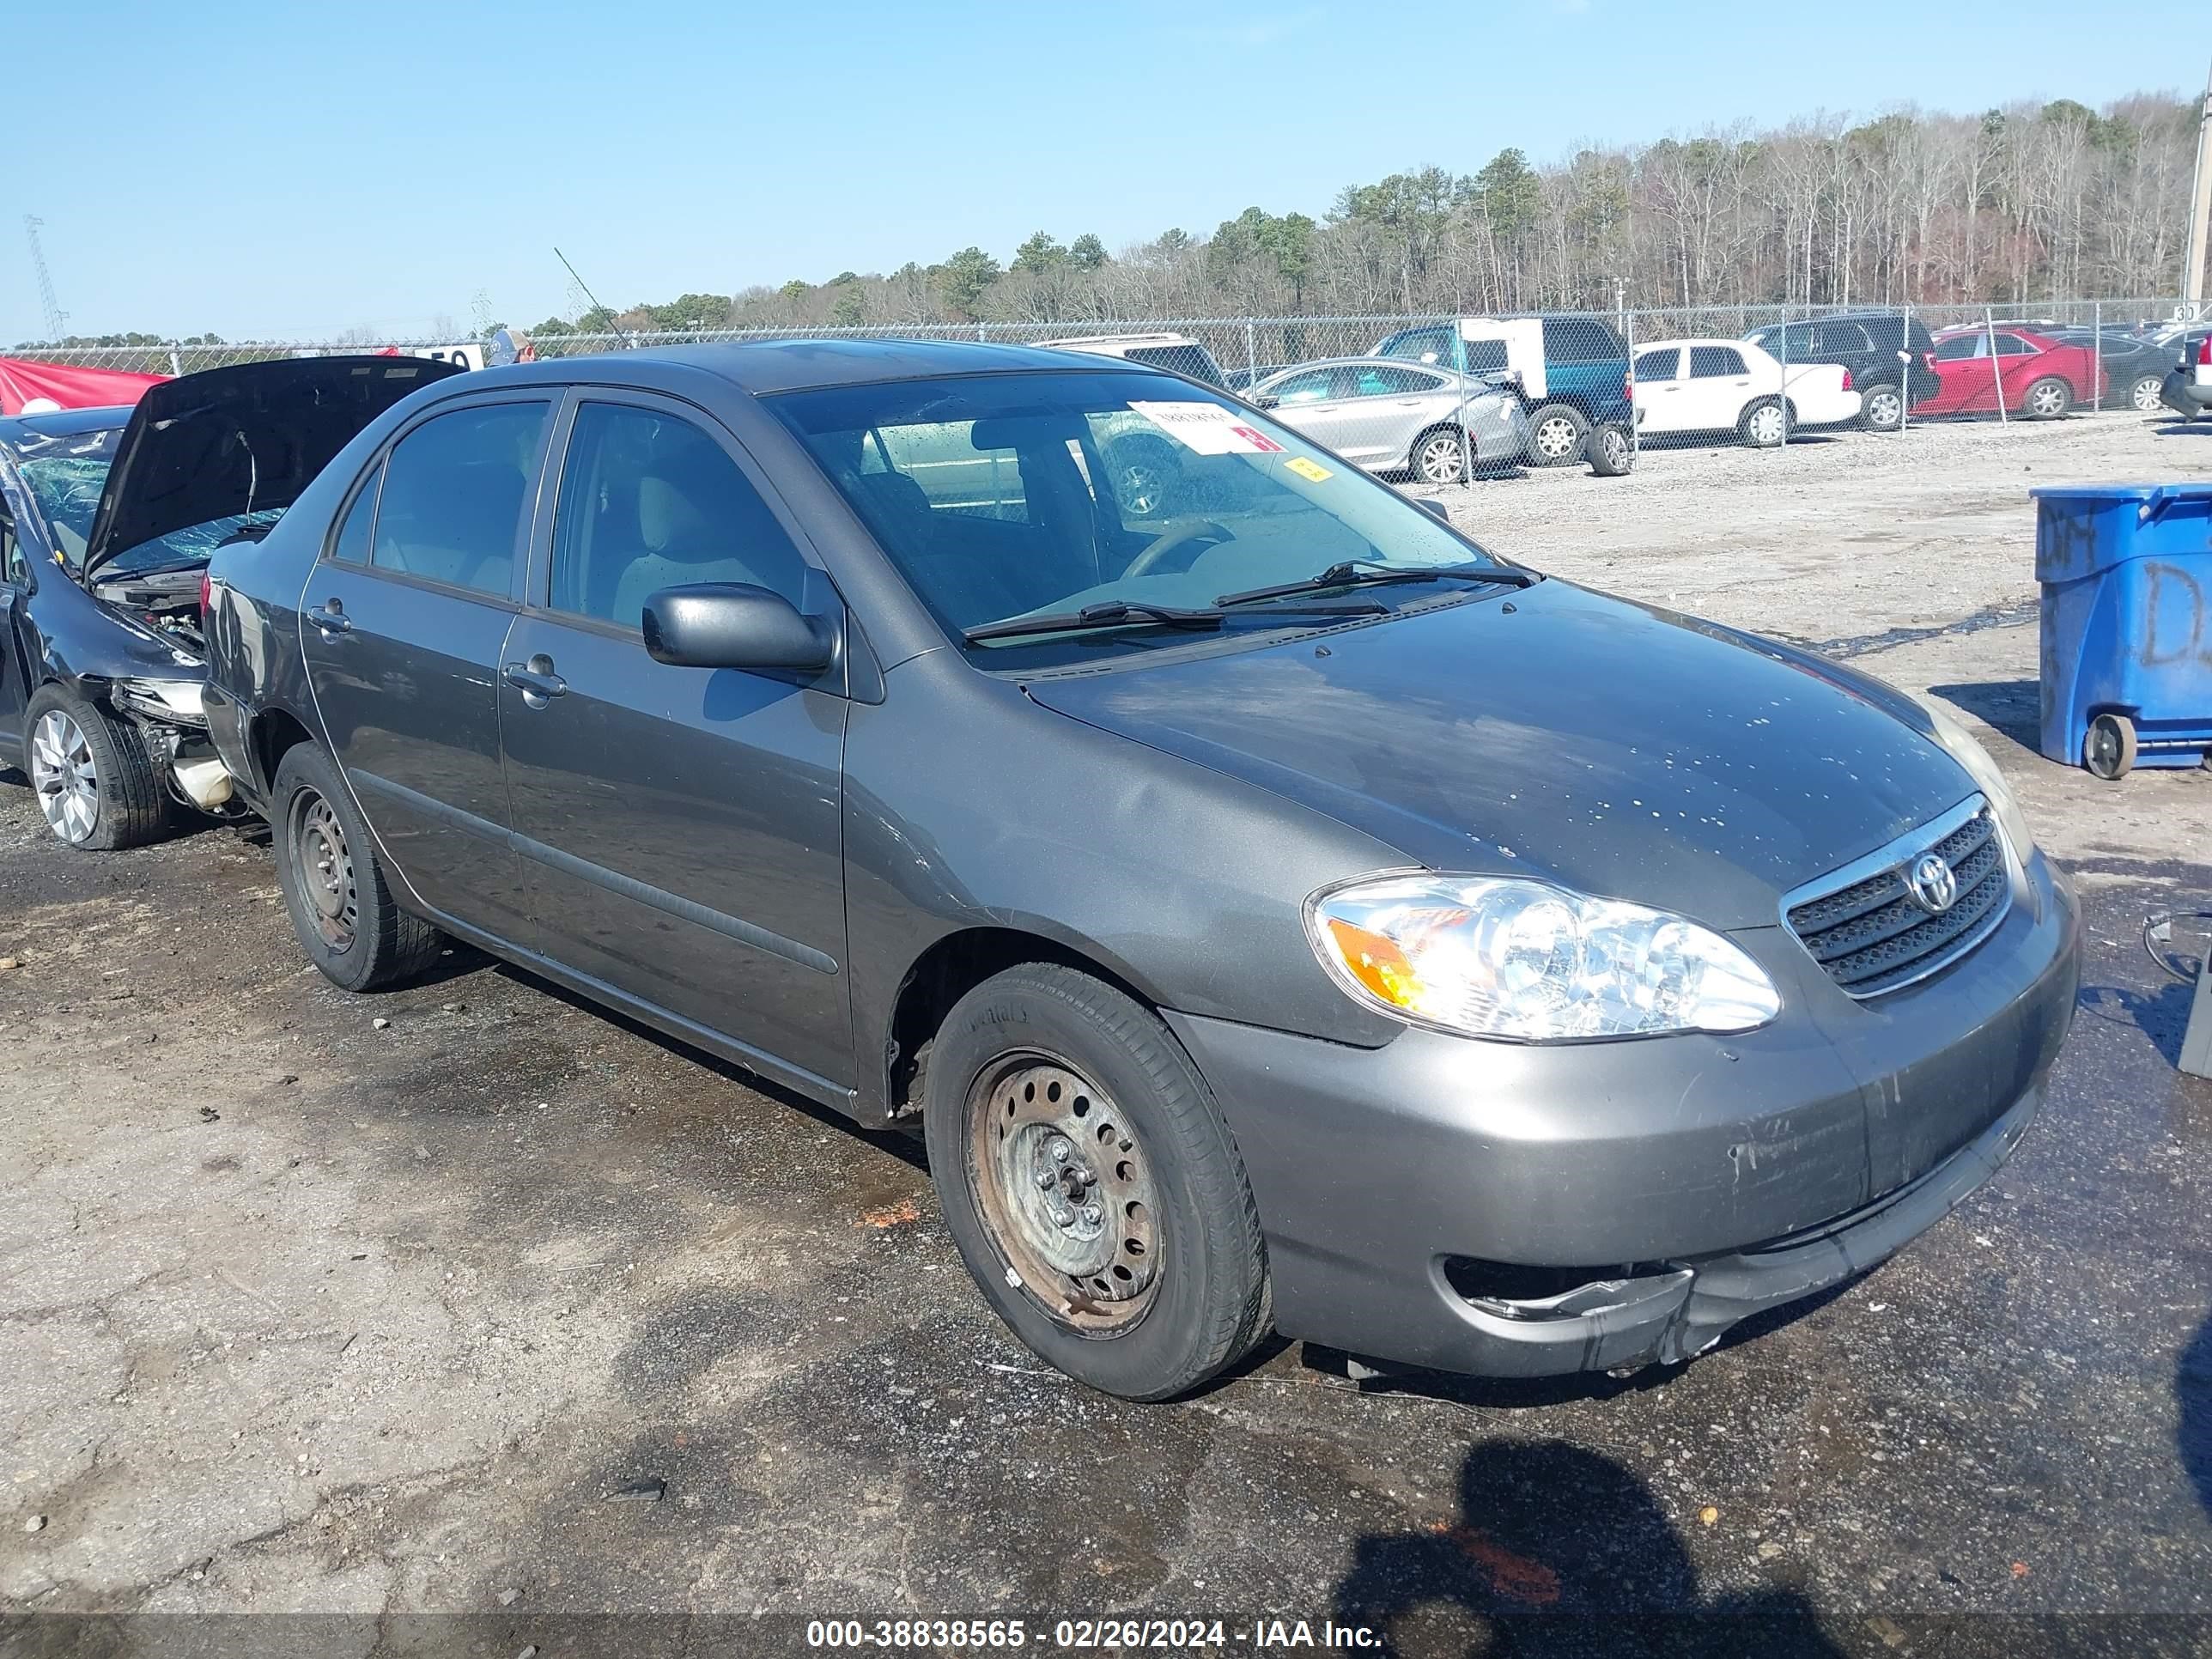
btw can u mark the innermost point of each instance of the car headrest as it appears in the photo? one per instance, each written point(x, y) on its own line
point(668, 521)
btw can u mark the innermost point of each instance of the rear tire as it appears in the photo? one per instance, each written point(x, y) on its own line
point(2148, 395)
point(1882, 410)
point(1558, 434)
point(2047, 399)
point(96, 782)
point(1092, 1186)
point(333, 880)
point(1763, 425)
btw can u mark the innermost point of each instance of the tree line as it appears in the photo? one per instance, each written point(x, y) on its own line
point(2010, 206)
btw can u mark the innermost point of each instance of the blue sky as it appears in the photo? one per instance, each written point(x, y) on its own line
point(296, 170)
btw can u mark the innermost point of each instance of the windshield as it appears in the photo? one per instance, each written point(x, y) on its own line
point(64, 473)
point(1010, 495)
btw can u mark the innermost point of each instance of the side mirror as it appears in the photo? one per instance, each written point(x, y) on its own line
point(733, 625)
point(1431, 504)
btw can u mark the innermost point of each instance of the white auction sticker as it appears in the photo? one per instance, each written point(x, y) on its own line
point(1208, 428)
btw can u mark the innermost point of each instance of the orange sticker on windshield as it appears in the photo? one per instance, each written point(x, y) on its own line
point(1307, 469)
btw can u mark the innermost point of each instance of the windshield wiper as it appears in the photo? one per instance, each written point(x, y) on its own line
point(1123, 613)
point(1363, 573)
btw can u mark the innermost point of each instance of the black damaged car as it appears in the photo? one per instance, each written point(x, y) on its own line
point(107, 520)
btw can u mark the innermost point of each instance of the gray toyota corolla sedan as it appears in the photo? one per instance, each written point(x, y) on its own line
point(1276, 909)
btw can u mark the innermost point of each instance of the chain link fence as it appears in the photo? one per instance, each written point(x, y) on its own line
point(1432, 398)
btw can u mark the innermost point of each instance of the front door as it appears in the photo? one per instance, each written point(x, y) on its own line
point(402, 624)
point(1962, 371)
point(14, 689)
point(678, 827)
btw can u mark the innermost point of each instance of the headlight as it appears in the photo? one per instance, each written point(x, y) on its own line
point(176, 700)
point(1959, 744)
point(1486, 956)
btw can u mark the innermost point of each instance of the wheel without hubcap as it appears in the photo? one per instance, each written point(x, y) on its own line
point(325, 866)
point(1062, 1184)
point(1441, 458)
point(65, 777)
point(2110, 751)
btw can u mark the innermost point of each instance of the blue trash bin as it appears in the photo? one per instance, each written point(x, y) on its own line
point(2126, 577)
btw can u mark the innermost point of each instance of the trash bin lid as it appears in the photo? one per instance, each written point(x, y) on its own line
point(2081, 529)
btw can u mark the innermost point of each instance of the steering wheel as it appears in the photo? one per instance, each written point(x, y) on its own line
point(1177, 533)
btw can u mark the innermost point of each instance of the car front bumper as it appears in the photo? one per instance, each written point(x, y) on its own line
point(1673, 1186)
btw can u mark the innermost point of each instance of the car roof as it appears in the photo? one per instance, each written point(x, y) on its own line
point(1066, 340)
point(1367, 360)
point(764, 367)
point(62, 422)
point(1701, 340)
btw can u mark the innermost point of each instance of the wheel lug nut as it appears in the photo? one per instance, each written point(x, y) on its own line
point(1062, 1151)
point(1061, 1218)
point(1044, 1179)
point(1093, 1215)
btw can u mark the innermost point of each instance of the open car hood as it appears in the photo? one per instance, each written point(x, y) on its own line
point(240, 439)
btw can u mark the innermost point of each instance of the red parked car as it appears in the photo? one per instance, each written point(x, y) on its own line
point(2042, 378)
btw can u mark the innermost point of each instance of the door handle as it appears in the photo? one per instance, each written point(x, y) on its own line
point(536, 680)
point(332, 618)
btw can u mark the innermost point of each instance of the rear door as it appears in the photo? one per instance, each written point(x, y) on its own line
point(680, 827)
point(402, 624)
point(1386, 406)
point(1659, 389)
point(1718, 387)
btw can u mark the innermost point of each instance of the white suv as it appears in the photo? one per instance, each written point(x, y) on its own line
point(1176, 352)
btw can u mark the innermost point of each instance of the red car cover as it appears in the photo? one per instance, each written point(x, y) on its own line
point(21, 380)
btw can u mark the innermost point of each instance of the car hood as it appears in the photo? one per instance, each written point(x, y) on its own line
point(1621, 749)
point(239, 440)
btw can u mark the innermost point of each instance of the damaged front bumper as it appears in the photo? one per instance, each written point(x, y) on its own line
point(170, 716)
point(1425, 1202)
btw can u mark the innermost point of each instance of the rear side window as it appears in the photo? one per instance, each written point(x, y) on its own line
point(2011, 345)
point(1840, 337)
point(1195, 360)
point(350, 545)
point(650, 500)
point(1376, 381)
point(1711, 363)
point(1958, 348)
point(1581, 340)
point(1658, 365)
point(453, 494)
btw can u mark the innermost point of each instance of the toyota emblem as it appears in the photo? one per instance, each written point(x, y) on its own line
point(1933, 888)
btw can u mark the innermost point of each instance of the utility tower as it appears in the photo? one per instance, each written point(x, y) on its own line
point(57, 319)
point(2200, 206)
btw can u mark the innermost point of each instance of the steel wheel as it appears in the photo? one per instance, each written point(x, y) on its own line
point(327, 872)
point(64, 777)
point(1885, 409)
point(1439, 459)
point(1764, 426)
point(1065, 1192)
point(1558, 439)
point(2146, 396)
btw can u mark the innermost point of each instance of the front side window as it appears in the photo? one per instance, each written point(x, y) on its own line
point(451, 508)
point(1135, 490)
point(1714, 362)
point(1311, 387)
point(650, 500)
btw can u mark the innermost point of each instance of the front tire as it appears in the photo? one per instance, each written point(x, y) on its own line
point(1440, 456)
point(1557, 434)
point(2047, 399)
point(334, 883)
point(1092, 1185)
point(95, 782)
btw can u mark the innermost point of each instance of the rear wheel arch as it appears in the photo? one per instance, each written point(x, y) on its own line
point(274, 733)
point(946, 972)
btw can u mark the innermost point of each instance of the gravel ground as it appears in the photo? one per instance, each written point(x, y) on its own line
point(457, 1316)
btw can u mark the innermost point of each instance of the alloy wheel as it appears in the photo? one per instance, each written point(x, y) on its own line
point(2147, 396)
point(1440, 460)
point(1885, 409)
point(65, 777)
point(1143, 489)
point(1066, 1193)
point(2046, 400)
point(1558, 439)
point(324, 864)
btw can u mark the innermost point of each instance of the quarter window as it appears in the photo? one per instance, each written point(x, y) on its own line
point(1714, 362)
point(649, 500)
point(351, 545)
point(451, 508)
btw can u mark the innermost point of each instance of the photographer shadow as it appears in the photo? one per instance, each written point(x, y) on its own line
point(1556, 1550)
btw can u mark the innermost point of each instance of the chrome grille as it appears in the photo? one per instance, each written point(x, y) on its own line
point(1864, 926)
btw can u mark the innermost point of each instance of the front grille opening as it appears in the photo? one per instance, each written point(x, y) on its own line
point(1511, 1291)
point(1872, 936)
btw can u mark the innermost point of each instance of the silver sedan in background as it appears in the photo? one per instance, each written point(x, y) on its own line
point(1392, 417)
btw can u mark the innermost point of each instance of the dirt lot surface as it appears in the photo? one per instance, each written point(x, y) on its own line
point(465, 1298)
